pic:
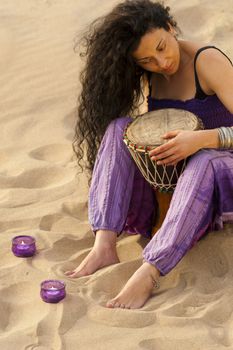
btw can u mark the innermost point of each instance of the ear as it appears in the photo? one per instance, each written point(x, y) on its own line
point(171, 29)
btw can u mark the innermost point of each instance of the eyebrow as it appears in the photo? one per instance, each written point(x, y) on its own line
point(144, 58)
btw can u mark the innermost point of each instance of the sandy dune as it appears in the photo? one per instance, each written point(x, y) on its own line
point(42, 196)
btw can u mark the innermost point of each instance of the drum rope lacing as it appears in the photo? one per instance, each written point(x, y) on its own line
point(163, 177)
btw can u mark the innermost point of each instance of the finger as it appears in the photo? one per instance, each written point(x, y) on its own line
point(163, 155)
point(174, 162)
point(160, 149)
point(171, 164)
point(167, 160)
point(171, 134)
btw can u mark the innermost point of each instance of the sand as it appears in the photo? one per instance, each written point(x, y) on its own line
point(42, 196)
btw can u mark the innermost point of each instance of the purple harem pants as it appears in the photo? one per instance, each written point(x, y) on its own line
point(120, 199)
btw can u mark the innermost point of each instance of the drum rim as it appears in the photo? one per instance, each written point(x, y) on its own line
point(145, 148)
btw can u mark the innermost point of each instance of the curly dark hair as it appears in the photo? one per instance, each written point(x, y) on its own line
point(112, 83)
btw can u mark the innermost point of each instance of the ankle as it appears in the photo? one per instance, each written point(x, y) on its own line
point(153, 271)
point(105, 240)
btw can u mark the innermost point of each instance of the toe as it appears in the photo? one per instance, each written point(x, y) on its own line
point(113, 304)
point(72, 274)
point(117, 304)
point(110, 304)
point(67, 273)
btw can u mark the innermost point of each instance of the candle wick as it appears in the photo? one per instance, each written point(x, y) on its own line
point(22, 242)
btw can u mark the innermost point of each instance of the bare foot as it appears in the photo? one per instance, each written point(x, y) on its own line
point(137, 290)
point(95, 260)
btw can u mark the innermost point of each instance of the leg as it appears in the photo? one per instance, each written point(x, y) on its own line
point(138, 288)
point(118, 194)
point(119, 198)
point(102, 254)
point(198, 198)
point(191, 213)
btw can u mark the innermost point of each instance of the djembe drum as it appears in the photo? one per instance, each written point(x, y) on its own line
point(144, 134)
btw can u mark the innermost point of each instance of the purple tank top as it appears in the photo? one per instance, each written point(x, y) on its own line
point(208, 108)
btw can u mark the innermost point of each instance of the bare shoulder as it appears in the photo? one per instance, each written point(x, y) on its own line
point(211, 57)
point(212, 64)
point(215, 73)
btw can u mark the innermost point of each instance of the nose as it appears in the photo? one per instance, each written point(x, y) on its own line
point(163, 63)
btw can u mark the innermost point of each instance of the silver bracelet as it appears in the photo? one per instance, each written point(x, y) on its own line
point(225, 135)
point(221, 138)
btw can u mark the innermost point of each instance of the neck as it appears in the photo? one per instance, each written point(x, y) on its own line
point(185, 60)
point(185, 57)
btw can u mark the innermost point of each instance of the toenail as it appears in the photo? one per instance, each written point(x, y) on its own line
point(111, 304)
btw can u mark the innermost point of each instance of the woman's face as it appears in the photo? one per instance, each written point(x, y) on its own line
point(158, 52)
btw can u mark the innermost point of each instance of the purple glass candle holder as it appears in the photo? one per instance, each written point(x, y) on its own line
point(23, 246)
point(52, 291)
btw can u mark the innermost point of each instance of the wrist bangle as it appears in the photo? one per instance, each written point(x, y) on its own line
point(225, 136)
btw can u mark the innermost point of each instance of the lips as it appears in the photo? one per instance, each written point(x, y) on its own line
point(169, 68)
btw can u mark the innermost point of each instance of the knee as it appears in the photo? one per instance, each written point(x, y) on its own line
point(203, 158)
point(198, 165)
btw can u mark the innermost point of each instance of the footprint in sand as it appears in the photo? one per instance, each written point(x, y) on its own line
point(47, 221)
point(216, 261)
point(121, 317)
point(60, 318)
point(53, 153)
point(70, 119)
point(189, 306)
point(7, 42)
point(164, 343)
point(39, 178)
point(75, 209)
point(6, 311)
point(14, 310)
point(70, 137)
point(35, 347)
point(221, 335)
point(220, 311)
point(65, 224)
point(65, 248)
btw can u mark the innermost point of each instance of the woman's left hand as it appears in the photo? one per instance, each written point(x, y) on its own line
point(180, 145)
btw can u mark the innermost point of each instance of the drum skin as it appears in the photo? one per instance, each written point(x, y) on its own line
point(144, 133)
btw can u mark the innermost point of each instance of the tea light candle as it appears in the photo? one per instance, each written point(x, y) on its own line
point(52, 291)
point(23, 246)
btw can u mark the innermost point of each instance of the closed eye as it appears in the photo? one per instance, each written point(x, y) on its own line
point(148, 60)
point(162, 48)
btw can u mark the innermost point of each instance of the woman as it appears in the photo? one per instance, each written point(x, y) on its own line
point(138, 39)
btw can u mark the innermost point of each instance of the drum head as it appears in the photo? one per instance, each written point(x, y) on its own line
point(148, 128)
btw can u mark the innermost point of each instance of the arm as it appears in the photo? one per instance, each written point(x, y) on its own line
point(215, 74)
